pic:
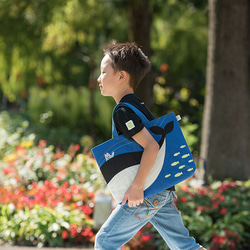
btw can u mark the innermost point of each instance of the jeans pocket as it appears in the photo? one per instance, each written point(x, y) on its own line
point(151, 205)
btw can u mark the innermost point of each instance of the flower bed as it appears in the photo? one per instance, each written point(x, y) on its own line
point(30, 164)
point(47, 198)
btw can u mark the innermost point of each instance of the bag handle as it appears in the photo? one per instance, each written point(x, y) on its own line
point(137, 111)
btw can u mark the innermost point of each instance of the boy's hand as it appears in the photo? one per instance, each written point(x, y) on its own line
point(134, 196)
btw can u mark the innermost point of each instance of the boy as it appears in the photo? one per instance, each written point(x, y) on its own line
point(122, 68)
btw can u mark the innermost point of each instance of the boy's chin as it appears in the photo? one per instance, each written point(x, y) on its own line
point(104, 94)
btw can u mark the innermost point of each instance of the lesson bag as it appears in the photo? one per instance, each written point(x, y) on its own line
point(119, 158)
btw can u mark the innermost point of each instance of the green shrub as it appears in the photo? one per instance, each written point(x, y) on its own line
point(60, 105)
point(13, 130)
point(69, 108)
point(217, 216)
point(44, 226)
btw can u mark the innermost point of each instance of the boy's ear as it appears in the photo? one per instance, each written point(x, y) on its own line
point(123, 75)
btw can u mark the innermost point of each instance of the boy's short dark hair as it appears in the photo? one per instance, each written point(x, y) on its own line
point(130, 58)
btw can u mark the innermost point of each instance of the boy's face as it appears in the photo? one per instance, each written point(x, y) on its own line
point(108, 78)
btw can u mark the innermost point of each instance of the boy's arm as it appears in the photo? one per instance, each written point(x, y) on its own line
point(134, 194)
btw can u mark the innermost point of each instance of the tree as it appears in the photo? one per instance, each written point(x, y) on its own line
point(50, 42)
point(140, 24)
point(225, 146)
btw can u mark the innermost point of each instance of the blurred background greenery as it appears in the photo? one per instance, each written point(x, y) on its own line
point(49, 61)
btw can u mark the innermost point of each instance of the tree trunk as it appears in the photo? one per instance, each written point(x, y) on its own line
point(140, 23)
point(226, 119)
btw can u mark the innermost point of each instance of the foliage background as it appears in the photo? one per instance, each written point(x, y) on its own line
point(50, 54)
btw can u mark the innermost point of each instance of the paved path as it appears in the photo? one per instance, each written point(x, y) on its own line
point(45, 248)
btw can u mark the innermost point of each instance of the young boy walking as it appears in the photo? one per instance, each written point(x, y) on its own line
point(122, 68)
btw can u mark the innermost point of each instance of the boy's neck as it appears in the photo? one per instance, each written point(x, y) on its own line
point(122, 94)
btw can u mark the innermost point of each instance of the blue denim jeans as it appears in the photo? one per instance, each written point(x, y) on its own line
point(159, 210)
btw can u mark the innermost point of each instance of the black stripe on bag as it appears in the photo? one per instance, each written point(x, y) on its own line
point(118, 163)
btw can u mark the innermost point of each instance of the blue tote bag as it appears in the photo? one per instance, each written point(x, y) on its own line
point(119, 158)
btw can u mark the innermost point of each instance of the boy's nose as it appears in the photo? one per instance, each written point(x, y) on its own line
point(99, 79)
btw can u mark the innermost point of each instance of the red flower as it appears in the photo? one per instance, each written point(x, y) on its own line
point(222, 239)
point(212, 199)
point(200, 208)
point(71, 148)
point(64, 234)
point(58, 155)
point(223, 211)
point(185, 187)
point(233, 245)
point(75, 189)
point(42, 144)
point(215, 205)
point(20, 148)
point(73, 226)
point(65, 184)
point(183, 199)
point(73, 232)
point(164, 67)
point(146, 238)
point(148, 225)
point(87, 233)
point(87, 210)
point(232, 184)
point(68, 196)
point(202, 192)
point(6, 171)
point(222, 198)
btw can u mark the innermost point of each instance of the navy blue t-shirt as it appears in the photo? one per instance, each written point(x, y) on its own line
point(127, 122)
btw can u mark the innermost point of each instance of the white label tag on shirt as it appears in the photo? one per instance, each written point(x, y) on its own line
point(130, 125)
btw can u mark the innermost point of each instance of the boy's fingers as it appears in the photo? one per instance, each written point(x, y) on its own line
point(124, 199)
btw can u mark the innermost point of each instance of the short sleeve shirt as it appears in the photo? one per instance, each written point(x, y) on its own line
point(127, 122)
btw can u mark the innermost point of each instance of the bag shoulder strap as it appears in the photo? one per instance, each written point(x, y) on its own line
point(136, 110)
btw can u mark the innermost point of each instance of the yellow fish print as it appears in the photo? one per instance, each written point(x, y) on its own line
point(174, 163)
point(190, 169)
point(182, 166)
point(190, 160)
point(183, 146)
point(176, 154)
point(185, 156)
point(178, 174)
point(166, 176)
